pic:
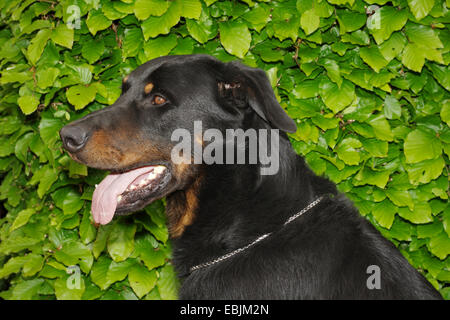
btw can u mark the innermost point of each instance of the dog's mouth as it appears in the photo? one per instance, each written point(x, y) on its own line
point(121, 193)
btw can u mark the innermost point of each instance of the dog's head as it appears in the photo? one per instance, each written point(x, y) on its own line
point(133, 137)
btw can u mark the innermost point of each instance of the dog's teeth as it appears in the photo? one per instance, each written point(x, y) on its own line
point(151, 175)
point(133, 187)
point(159, 169)
point(119, 198)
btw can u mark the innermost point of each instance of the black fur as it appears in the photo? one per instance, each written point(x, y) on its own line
point(324, 254)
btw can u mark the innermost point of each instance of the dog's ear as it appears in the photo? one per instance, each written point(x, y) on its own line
point(251, 85)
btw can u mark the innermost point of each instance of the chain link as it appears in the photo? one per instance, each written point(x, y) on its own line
point(234, 252)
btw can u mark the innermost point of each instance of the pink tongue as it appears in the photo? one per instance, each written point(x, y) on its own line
point(104, 199)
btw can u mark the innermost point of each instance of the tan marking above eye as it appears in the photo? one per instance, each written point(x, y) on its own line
point(125, 79)
point(148, 88)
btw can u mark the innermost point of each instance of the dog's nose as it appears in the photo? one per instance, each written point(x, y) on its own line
point(74, 138)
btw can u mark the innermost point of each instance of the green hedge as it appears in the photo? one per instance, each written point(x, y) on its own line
point(367, 82)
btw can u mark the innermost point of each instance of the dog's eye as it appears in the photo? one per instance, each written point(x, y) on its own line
point(158, 100)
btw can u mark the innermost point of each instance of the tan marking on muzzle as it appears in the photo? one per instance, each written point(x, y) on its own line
point(121, 148)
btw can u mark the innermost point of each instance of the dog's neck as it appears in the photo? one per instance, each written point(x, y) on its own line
point(223, 203)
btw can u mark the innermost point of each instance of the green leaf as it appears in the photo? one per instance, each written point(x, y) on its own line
point(401, 230)
point(307, 89)
point(167, 283)
point(420, 214)
point(400, 198)
point(384, 212)
point(77, 169)
point(442, 75)
point(110, 10)
point(287, 28)
point(146, 8)
point(141, 280)
point(423, 36)
point(371, 177)
point(13, 265)
point(336, 98)
point(381, 127)
point(341, 2)
point(392, 108)
point(203, 29)
point(375, 147)
point(117, 271)
point(17, 243)
point(155, 26)
point(48, 129)
point(99, 272)
point(28, 104)
point(425, 171)
point(81, 73)
point(80, 95)
point(36, 25)
point(93, 49)
point(393, 46)
point(151, 256)
point(309, 21)
point(413, 57)
point(101, 239)
point(46, 176)
point(445, 112)
point(26, 289)
point(306, 132)
point(326, 123)
point(258, 16)
point(63, 36)
point(132, 42)
point(96, 21)
point(75, 253)
point(235, 37)
point(347, 151)
point(120, 243)
point(191, 9)
point(33, 264)
point(22, 218)
point(428, 230)
point(91, 291)
point(350, 21)
point(440, 245)
point(68, 200)
point(37, 45)
point(46, 77)
point(65, 290)
point(424, 43)
point(184, 46)
point(386, 20)
point(420, 8)
point(87, 230)
point(373, 57)
point(333, 71)
point(420, 145)
point(160, 46)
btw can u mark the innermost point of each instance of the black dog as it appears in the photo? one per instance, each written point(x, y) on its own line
point(227, 221)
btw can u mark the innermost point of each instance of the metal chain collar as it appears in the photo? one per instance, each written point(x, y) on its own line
point(260, 238)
